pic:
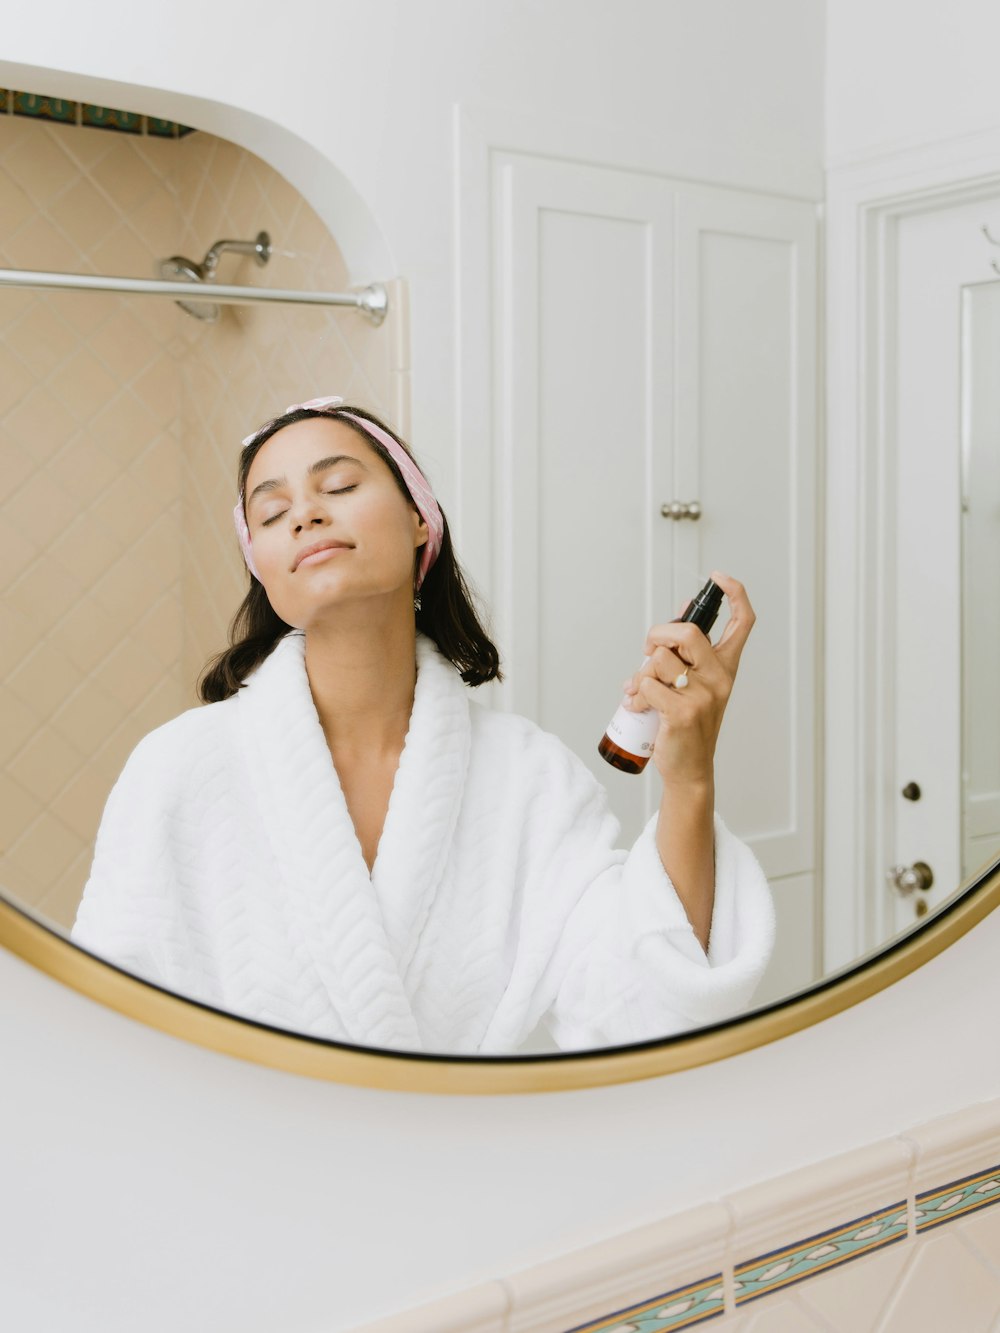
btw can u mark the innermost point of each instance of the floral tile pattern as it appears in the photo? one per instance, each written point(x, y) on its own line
point(685, 1307)
point(47, 108)
point(816, 1254)
point(84, 113)
point(956, 1199)
point(105, 118)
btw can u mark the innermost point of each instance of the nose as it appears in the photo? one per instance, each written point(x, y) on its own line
point(305, 512)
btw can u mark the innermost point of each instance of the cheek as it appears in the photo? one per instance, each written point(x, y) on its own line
point(269, 552)
point(381, 524)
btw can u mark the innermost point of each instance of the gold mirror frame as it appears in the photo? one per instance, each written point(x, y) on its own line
point(43, 947)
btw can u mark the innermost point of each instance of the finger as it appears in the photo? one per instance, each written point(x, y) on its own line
point(664, 669)
point(742, 616)
point(691, 646)
point(681, 637)
point(672, 703)
point(664, 664)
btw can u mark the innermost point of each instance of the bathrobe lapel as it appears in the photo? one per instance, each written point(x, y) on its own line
point(357, 933)
point(416, 841)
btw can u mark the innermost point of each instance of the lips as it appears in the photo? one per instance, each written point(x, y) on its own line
point(316, 547)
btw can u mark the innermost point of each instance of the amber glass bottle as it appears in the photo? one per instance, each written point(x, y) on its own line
point(628, 742)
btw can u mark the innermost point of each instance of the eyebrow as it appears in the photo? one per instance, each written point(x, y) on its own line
point(320, 466)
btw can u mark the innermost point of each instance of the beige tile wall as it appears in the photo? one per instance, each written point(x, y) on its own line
point(255, 361)
point(120, 423)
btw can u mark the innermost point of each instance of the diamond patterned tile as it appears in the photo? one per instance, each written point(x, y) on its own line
point(40, 244)
point(83, 212)
point(944, 1287)
point(46, 848)
point(120, 424)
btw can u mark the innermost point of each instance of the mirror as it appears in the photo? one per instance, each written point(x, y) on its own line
point(119, 423)
point(980, 593)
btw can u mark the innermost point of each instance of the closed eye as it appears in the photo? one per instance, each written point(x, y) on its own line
point(342, 491)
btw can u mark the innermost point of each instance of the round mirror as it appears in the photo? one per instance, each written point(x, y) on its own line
point(121, 418)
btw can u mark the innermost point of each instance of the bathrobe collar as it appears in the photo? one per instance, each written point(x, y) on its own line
point(358, 932)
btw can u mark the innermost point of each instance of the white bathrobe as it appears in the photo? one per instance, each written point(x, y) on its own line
point(227, 869)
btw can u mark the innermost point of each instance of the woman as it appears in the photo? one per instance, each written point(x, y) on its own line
point(345, 842)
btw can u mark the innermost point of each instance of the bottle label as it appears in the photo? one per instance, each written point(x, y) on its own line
point(635, 733)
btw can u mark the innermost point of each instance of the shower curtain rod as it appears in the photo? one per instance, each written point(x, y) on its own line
point(372, 301)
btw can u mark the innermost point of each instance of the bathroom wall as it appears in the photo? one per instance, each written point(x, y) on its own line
point(357, 102)
point(162, 1183)
point(90, 512)
point(943, 64)
point(120, 424)
point(256, 360)
point(293, 1204)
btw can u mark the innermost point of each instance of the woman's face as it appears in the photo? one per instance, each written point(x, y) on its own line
point(318, 481)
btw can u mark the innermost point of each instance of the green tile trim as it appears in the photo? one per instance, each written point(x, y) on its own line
point(45, 108)
point(85, 113)
point(958, 1198)
point(817, 1254)
point(162, 129)
point(684, 1307)
point(106, 118)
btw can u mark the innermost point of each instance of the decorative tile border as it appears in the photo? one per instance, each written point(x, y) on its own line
point(957, 1199)
point(63, 112)
point(684, 1307)
point(537, 1297)
point(817, 1254)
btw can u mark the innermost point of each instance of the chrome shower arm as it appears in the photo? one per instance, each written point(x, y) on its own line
point(260, 249)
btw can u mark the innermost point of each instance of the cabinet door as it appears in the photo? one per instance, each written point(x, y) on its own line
point(655, 341)
point(745, 448)
point(583, 399)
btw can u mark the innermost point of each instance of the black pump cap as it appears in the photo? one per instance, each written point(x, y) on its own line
point(704, 610)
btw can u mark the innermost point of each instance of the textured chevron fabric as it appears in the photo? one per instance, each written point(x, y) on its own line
point(227, 869)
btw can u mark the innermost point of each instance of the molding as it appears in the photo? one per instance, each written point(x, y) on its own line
point(652, 1274)
point(604, 144)
point(934, 161)
point(785, 1211)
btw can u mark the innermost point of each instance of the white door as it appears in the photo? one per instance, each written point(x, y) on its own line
point(942, 785)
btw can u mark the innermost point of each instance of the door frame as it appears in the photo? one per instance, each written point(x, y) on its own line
point(866, 198)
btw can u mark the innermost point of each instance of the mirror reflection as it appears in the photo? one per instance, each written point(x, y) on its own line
point(350, 823)
point(980, 575)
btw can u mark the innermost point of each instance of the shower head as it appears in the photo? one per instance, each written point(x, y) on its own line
point(179, 269)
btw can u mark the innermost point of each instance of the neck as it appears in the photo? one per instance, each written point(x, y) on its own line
point(363, 677)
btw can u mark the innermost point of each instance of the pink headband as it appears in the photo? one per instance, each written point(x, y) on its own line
point(416, 484)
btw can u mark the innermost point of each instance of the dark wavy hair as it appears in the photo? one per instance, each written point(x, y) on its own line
point(447, 613)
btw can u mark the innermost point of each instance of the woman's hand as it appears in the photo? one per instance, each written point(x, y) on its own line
point(691, 717)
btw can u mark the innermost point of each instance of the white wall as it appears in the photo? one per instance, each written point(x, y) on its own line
point(899, 73)
point(151, 1184)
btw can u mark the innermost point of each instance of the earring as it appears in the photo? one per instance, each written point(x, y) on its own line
point(416, 602)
